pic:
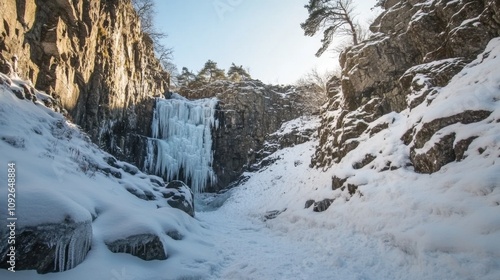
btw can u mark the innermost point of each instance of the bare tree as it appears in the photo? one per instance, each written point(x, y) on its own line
point(334, 17)
point(146, 11)
point(316, 79)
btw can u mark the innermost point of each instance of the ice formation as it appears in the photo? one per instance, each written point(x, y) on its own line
point(72, 250)
point(181, 143)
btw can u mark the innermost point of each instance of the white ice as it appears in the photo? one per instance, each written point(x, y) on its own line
point(182, 141)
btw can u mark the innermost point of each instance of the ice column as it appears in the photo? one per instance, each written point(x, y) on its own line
point(181, 147)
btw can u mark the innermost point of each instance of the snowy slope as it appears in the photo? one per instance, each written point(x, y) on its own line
point(399, 224)
point(60, 174)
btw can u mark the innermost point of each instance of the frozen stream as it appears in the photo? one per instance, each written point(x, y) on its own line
point(250, 250)
point(249, 247)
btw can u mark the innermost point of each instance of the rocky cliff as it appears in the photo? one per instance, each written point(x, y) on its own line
point(417, 47)
point(249, 112)
point(91, 57)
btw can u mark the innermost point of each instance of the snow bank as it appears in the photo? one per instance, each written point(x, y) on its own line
point(62, 176)
point(399, 224)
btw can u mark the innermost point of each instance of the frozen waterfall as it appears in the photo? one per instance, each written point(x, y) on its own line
point(181, 143)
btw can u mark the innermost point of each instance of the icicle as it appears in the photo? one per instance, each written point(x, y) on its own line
point(71, 250)
point(182, 140)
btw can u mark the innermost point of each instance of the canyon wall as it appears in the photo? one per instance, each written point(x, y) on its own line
point(417, 47)
point(93, 59)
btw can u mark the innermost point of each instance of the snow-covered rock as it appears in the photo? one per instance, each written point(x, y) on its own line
point(180, 196)
point(49, 247)
point(145, 246)
point(416, 49)
point(72, 199)
point(100, 68)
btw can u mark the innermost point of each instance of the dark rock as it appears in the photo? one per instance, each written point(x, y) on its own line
point(376, 129)
point(29, 92)
point(15, 141)
point(337, 182)
point(365, 161)
point(272, 214)
point(179, 196)
point(175, 235)
point(110, 171)
point(321, 206)
point(140, 193)
point(49, 247)
point(429, 129)
point(436, 157)
point(130, 169)
point(145, 246)
point(19, 94)
point(351, 188)
point(419, 81)
point(309, 203)
point(461, 147)
point(249, 111)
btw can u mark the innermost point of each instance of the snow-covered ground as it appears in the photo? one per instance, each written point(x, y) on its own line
point(400, 225)
point(61, 175)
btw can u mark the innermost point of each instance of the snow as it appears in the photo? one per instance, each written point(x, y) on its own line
point(58, 177)
point(399, 225)
point(303, 123)
point(182, 136)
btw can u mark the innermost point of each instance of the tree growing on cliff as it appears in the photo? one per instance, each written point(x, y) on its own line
point(145, 9)
point(185, 77)
point(317, 80)
point(334, 17)
point(210, 72)
point(237, 73)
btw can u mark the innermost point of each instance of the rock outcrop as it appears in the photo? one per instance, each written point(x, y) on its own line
point(179, 196)
point(144, 246)
point(49, 242)
point(50, 247)
point(417, 47)
point(92, 57)
point(249, 112)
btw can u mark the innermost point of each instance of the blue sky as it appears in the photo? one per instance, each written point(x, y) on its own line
point(262, 35)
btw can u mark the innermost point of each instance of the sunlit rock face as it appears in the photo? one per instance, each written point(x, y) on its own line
point(92, 57)
point(417, 47)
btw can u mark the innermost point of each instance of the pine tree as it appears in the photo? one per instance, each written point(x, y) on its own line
point(335, 17)
point(211, 73)
point(186, 77)
point(237, 73)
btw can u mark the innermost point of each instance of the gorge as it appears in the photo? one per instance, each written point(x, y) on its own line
point(392, 174)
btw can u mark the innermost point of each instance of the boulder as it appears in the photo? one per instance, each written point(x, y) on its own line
point(49, 247)
point(179, 196)
point(144, 246)
point(323, 205)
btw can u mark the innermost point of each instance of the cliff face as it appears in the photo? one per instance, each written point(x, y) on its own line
point(417, 48)
point(248, 113)
point(92, 57)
